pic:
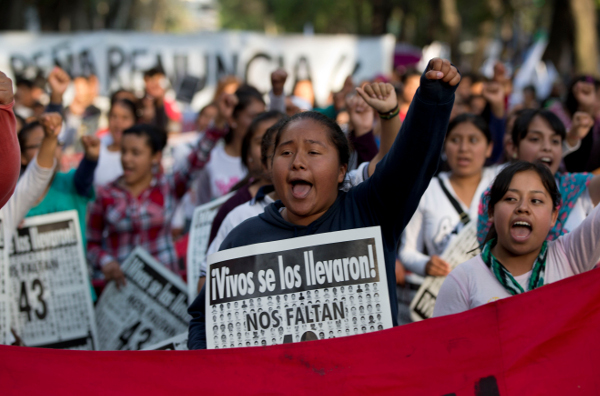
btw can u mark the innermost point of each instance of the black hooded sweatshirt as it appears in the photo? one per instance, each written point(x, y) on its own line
point(387, 199)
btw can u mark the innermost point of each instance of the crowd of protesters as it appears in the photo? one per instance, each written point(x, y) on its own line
point(419, 154)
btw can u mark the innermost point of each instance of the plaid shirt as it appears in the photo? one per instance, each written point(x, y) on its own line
point(119, 222)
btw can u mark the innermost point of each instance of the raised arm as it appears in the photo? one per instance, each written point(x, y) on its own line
point(59, 81)
point(198, 158)
point(84, 175)
point(276, 95)
point(392, 194)
point(9, 145)
point(382, 98)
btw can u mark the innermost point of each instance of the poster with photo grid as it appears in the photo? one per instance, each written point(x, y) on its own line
point(150, 308)
point(51, 302)
point(299, 289)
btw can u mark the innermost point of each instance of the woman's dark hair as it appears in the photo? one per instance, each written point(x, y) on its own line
point(477, 121)
point(504, 178)
point(155, 138)
point(246, 94)
point(336, 136)
point(25, 132)
point(522, 122)
point(262, 117)
point(259, 119)
point(128, 104)
point(268, 139)
point(571, 103)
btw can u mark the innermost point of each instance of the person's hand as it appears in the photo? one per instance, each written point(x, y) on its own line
point(493, 93)
point(112, 271)
point(59, 81)
point(361, 115)
point(380, 96)
point(437, 267)
point(278, 78)
point(18, 340)
point(585, 94)
point(225, 105)
point(442, 69)
point(580, 127)
point(91, 146)
point(52, 123)
point(6, 90)
point(400, 273)
point(339, 98)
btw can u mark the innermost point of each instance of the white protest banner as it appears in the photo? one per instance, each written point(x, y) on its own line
point(51, 301)
point(151, 308)
point(199, 60)
point(177, 343)
point(198, 242)
point(460, 249)
point(314, 287)
point(4, 289)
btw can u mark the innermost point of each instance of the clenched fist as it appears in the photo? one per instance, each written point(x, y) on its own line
point(278, 78)
point(6, 90)
point(582, 123)
point(59, 81)
point(52, 123)
point(380, 96)
point(442, 69)
point(91, 146)
point(225, 105)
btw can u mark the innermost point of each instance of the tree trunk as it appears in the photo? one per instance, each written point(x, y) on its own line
point(585, 45)
point(452, 21)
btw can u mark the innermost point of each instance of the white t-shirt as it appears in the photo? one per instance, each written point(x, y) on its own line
point(435, 222)
point(109, 166)
point(222, 172)
point(472, 284)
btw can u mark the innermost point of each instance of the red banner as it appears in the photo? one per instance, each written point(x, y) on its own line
point(544, 342)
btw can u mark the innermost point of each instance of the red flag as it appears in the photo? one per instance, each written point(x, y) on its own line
point(543, 342)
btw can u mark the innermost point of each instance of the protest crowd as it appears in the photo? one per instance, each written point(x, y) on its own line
point(474, 198)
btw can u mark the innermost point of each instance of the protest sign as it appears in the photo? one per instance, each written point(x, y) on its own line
point(198, 242)
point(195, 62)
point(51, 302)
point(460, 249)
point(151, 308)
point(4, 289)
point(543, 342)
point(299, 289)
point(177, 343)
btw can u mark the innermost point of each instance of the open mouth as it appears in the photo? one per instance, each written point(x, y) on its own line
point(463, 161)
point(300, 188)
point(520, 230)
point(546, 161)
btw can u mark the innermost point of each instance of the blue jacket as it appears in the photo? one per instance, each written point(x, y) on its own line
point(387, 199)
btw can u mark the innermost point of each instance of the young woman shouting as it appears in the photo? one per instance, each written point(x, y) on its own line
point(524, 206)
point(310, 161)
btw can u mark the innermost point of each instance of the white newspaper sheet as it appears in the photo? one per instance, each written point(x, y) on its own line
point(299, 289)
point(460, 249)
point(51, 302)
point(151, 308)
point(198, 243)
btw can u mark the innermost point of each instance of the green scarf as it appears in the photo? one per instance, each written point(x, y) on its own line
point(504, 276)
